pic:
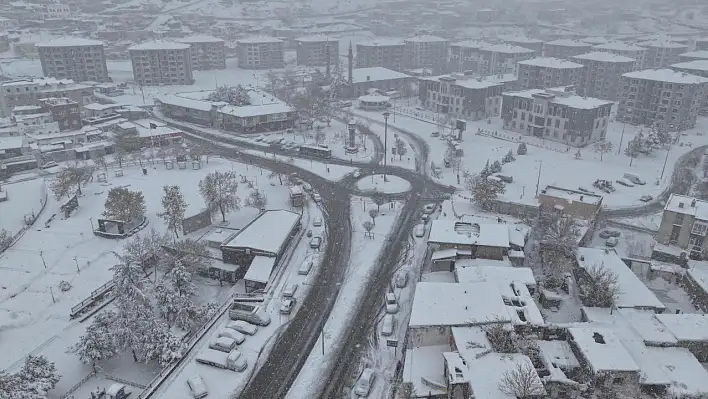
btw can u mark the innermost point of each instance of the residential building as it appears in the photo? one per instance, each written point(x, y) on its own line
point(684, 224)
point(4, 42)
point(544, 72)
point(625, 50)
point(565, 48)
point(26, 92)
point(661, 97)
point(63, 111)
point(601, 76)
point(81, 60)
point(662, 53)
point(577, 204)
point(557, 115)
point(386, 53)
point(207, 52)
point(464, 55)
point(260, 53)
point(525, 42)
point(160, 62)
point(317, 51)
point(701, 44)
point(7, 23)
point(694, 56)
point(150, 132)
point(690, 329)
point(487, 59)
point(460, 96)
point(426, 52)
point(482, 240)
point(55, 10)
point(697, 68)
point(365, 79)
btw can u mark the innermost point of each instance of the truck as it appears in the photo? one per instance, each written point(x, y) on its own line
point(248, 312)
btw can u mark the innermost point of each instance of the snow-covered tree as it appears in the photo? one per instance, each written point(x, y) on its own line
point(379, 199)
point(320, 135)
point(234, 95)
point(484, 191)
point(61, 184)
point(522, 150)
point(175, 297)
point(134, 313)
point(257, 199)
point(368, 226)
point(634, 147)
point(373, 214)
point(192, 254)
point(273, 80)
point(509, 157)
point(603, 147)
point(206, 312)
point(220, 192)
point(79, 174)
point(401, 148)
point(495, 167)
point(174, 206)
point(100, 162)
point(659, 135)
point(37, 377)
point(522, 382)
point(124, 205)
point(5, 240)
point(119, 154)
point(486, 171)
point(160, 345)
point(144, 247)
point(98, 342)
point(9, 386)
point(559, 232)
point(601, 289)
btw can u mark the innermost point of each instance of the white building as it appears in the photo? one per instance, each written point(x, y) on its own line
point(545, 72)
point(662, 53)
point(55, 11)
point(461, 96)
point(161, 62)
point(625, 50)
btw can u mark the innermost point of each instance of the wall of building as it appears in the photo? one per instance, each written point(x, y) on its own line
point(428, 336)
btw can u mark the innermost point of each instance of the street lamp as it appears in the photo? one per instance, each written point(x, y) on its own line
point(386, 114)
point(538, 180)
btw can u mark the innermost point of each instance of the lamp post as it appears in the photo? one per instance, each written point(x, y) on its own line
point(621, 138)
point(538, 180)
point(386, 114)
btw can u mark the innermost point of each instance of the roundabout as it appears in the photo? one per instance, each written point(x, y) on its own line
point(392, 184)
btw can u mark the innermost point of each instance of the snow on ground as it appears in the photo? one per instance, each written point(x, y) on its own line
point(651, 222)
point(30, 322)
point(328, 171)
point(23, 198)
point(362, 262)
point(389, 137)
point(557, 164)
point(391, 184)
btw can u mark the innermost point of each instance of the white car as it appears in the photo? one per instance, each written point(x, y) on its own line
point(243, 327)
point(197, 386)
point(391, 303)
point(365, 382)
point(625, 182)
point(223, 344)
point(287, 306)
point(290, 291)
point(419, 230)
point(317, 222)
point(49, 164)
point(357, 174)
point(316, 242)
point(612, 242)
point(316, 197)
point(388, 325)
point(233, 334)
point(401, 279)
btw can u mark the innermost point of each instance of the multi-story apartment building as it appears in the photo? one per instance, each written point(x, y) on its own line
point(702, 44)
point(685, 224)
point(525, 42)
point(565, 48)
point(386, 53)
point(161, 63)
point(694, 56)
point(556, 114)
point(625, 50)
point(260, 53)
point(544, 72)
point(662, 53)
point(81, 60)
point(55, 11)
point(314, 50)
point(487, 59)
point(601, 76)
point(465, 55)
point(426, 52)
point(594, 40)
point(461, 96)
point(697, 68)
point(63, 111)
point(207, 52)
point(661, 97)
point(26, 92)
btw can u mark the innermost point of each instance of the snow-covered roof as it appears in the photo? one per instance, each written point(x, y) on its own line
point(696, 54)
point(697, 65)
point(373, 74)
point(381, 42)
point(698, 272)
point(550, 62)
point(476, 262)
point(520, 39)
point(632, 291)
point(594, 40)
point(666, 75)
point(647, 326)
point(467, 82)
point(100, 107)
point(69, 42)
point(11, 143)
point(687, 206)
point(316, 39)
point(486, 373)
point(506, 49)
point(602, 349)
point(199, 39)
point(572, 195)
point(179, 101)
point(494, 274)
point(259, 40)
point(571, 100)
point(464, 304)
point(619, 46)
point(558, 354)
point(450, 253)
point(425, 39)
point(248, 111)
point(260, 269)
point(142, 126)
point(159, 45)
point(444, 231)
point(471, 43)
point(689, 327)
point(688, 377)
point(659, 43)
point(267, 233)
point(603, 57)
point(567, 43)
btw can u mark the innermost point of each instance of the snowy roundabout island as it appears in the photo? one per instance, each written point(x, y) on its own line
point(392, 185)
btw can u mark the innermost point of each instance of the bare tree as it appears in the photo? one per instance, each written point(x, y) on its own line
point(257, 199)
point(500, 335)
point(320, 135)
point(484, 191)
point(5, 239)
point(601, 288)
point(368, 226)
point(379, 199)
point(401, 148)
point(559, 232)
point(522, 382)
point(603, 147)
point(373, 213)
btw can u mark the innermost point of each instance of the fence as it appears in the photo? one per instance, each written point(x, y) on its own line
point(78, 385)
point(196, 222)
point(36, 216)
point(126, 382)
point(95, 296)
point(519, 140)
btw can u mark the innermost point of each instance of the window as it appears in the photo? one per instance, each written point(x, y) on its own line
point(558, 122)
point(699, 228)
point(678, 219)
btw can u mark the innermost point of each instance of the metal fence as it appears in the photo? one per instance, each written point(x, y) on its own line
point(95, 296)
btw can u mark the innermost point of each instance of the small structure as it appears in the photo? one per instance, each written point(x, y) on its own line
point(350, 145)
point(571, 202)
point(108, 228)
point(119, 172)
point(484, 240)
point(117, 391)
point(258, 273)
point(373, 102)
point(266, 235)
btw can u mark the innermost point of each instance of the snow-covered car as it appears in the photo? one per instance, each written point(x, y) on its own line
point(615, 233)
point(259, 138)
point(305, 267)
point(401, 279)
point(391, 303)
point(233, 334)
point(223, 344)
point(243, 327)
point(625, 182)
point(317, 222)
point(605, 234)
point(424, 218)
point(237, 361)
point(612, 242)
point(287, 306)
point(307, 187)
point(435, 133)
point(357, 174)
point(49, 164)
point(429, 208)
point(290, 291)
point(419, 230)
point(315, 242)
point(197, 387)
point(388, 325)
point(365, 382)
point(316, 197)
point(646, 198)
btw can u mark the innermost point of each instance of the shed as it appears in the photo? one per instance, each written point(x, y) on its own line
point(258, 273)
point(267, 235)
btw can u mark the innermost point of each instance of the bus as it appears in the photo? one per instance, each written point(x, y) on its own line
point(315, 151)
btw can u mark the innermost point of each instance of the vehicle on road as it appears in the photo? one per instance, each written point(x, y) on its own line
point(224, 344)
point(248, 312)
point(317, 197)
point(391, 303)
point(435, 134)
point(307, 187)
point(634, 178)
point(49, 164)
point(605, 234)
point(305, 267)
point(315, 243)
point(228, 361)
point(401, 279)
point(315, 151)
point(357, 174)
point(317, 222)
point(233, 334)
point(243, 327)
point(612, 242)
point(197, 387)
point(425, 218)
point(365, 382)
point(646, 198)
point(388, 325)
point(419, 230)
point(290, 291)
point(287, 306)
point(625, 182)
point(429, 208)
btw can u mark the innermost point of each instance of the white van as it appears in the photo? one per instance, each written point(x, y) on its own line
point(197, 386)
point(243, 327)
point(224, 344)
point(305, 267)
point(233, 360)
point(634, 178)
point(290, 291)
point(388, 325)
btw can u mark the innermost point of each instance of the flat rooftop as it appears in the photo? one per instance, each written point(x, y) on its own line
point(602, 349)
point(696, 54)
point(697, 65)
point(373, 74)
point(571, 100)
point(688, 327)
point(69, 42)
point(464, 304)
point(568, 43)
point(159, 45)
point(619, 46)
point(603, 56)
point(268, 232)
point(444, 231)
point(687, 206)
point(572, 195)
point(666, 75)
point(550, 62)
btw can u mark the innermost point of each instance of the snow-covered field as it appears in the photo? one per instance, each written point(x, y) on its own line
point(326, 170)
point(385, 184)
point(23, 198)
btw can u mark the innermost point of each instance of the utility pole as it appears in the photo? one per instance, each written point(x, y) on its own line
point(619, 149)
point(41, 255)
point(78, 270)
point(538, 180)
point(663, 168)
point(386, 114)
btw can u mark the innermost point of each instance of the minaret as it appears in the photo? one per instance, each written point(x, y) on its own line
point(351, 63)
point(328, 57)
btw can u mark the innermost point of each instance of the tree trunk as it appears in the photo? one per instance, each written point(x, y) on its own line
point(135, 357)
point(223, 214)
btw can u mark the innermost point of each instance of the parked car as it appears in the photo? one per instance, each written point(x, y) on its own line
point(227, 361)
point(388, 325)
point(425, 218)
point(237, 361)
point(316, 197)
point(429, 208)
point(634, 178)
point(401, 279)
point(317, 222)
point(505, 178)
point(391, 303)
point(305, 267)
point(307, 187)
point(605, 234)
point(435, 134)
point(197, 387)
point(357, 174)
point(365, 382)
point(625, 182)
point(419, 230)
point(249, 312)
point(646, 198)
point(243, 327)
point(49, 164)
point(612, 242)
point(290, 291)
point(287, 306)
point(315, 242)
point(223, 344)
point(233, 334)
